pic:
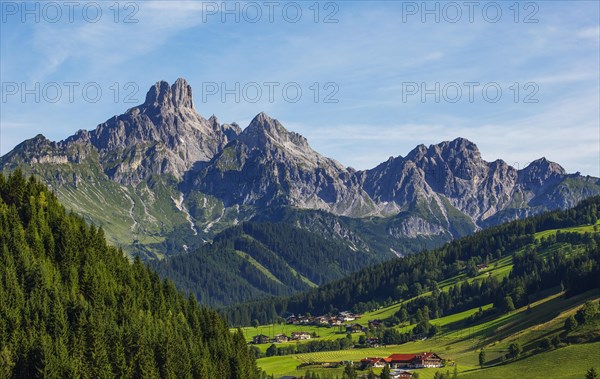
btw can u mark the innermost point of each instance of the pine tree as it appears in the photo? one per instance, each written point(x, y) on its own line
point(386, 373)
point(570, 323)
point(349, 372)
point(7, 362)
point(515, 350)
point(482, 358)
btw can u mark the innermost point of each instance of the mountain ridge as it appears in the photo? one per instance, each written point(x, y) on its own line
point(177, 178)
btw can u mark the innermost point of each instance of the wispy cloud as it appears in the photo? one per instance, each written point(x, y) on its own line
point(591, 33)
point(106, 43)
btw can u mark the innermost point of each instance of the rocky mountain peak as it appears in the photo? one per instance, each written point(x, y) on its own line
point(546, 166)
point(263, 123)
point(162, 96)
point(459, 148)
point(540, 171)
point(461, 145)
point(263, 131)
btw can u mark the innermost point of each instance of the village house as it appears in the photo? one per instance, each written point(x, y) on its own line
point(280, 338)
point(401, 375)
point(375, 323)
point(373, 342)
point(300, 336)
point(372, 362)
point(347, 316)
point(354, 328)
point(405, 361)
point(260, 338)
point(304, 320)
point(291, 319)
point(421, 360)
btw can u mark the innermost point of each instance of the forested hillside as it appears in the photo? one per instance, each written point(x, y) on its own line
point(72, 306)
point(258, 259)
point(570, 259)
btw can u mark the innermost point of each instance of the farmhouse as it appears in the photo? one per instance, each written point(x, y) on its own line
point(291, 320)
point(372, 362)
point(421, 360)
point(402, 375)
point(260, 338)
point(280, 338)
point(347, 316)
point(401, 360)
point(354, 328)
point(373, 342)
point(299, 336)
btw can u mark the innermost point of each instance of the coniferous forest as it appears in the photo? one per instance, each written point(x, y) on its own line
point(72, 306)
point(419, 273)
point(220, 273)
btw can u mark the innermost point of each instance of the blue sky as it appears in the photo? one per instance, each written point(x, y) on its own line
point(375, 62)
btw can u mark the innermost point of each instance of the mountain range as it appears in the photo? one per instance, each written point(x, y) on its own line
point(162, 180)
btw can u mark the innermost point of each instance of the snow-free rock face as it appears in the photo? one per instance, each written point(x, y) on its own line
point(268, 165)
point(161, 150)
point(454, 173)
point(165, 135)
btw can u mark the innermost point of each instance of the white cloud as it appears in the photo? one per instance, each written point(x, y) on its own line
point(591, 33)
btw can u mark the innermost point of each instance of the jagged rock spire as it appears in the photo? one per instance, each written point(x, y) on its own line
point(161, 95)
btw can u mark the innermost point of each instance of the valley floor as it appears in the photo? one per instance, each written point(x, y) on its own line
point(460, 344)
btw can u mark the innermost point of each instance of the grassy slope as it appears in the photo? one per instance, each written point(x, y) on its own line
point(260, 267)
point(274, 329)
point(460, 343)
point(567, 362)
point(499, 269)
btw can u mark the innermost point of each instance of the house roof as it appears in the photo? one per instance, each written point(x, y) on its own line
point(373, 359)
point(429, 355)
point(411, 357)
point(401, 357)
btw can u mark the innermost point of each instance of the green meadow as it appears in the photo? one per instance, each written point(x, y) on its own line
point(459, 343)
